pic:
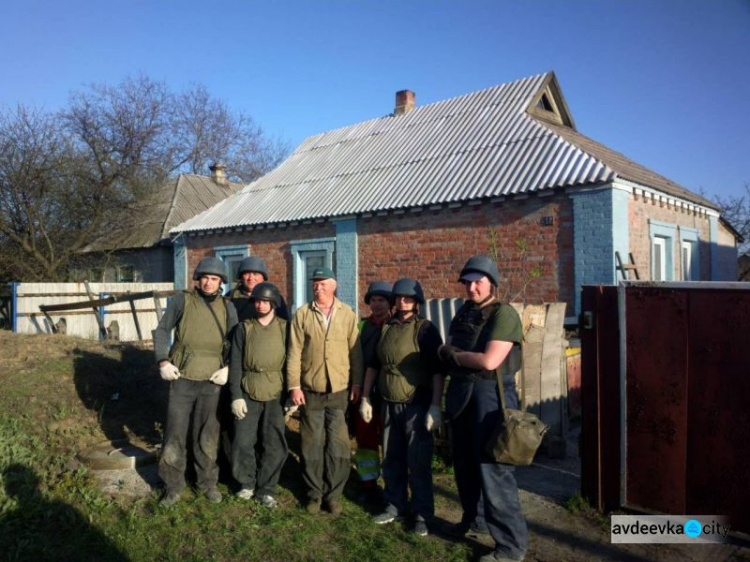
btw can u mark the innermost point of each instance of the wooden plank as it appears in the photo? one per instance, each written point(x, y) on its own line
point(135, 319)
point(532, 367)
point(551, 393)
point(103, 302)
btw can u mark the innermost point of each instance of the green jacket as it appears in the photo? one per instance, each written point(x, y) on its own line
point(323, 360)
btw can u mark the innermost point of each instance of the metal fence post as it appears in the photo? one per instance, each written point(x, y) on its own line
point(14, 306)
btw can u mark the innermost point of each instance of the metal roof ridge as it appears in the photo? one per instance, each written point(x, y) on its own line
point(411, 122)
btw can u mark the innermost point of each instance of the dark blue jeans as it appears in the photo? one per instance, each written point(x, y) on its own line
point(479, 476)
point(199, 399)
point(259, 470)
point(407, 459)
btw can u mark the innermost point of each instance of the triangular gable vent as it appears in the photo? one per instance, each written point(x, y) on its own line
point(549, 104)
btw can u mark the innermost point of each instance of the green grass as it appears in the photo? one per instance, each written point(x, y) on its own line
point(51, 509)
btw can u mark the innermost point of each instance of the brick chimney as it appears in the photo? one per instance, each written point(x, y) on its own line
point(218, 174)
point(406, 101)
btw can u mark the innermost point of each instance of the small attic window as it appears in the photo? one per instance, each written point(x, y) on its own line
point(545, 103)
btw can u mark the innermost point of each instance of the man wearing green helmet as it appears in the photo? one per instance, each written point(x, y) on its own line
point(195, 367)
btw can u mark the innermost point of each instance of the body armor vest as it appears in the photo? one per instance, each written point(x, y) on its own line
point(243, 304)
point(467, 333)
point(402, 369)
point(263, 360)
point(197, 350)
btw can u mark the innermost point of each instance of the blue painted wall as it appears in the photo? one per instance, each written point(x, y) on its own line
point(600, 227)
point(180, 264)
point(713, 228)
point(347, 263)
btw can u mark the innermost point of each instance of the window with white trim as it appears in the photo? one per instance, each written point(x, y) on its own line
point(659, 259)
point(663, 237)
point(689, 261)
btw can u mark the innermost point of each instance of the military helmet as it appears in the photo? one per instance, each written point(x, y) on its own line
point(252, 263)
point(266, 292)
point(407, 288)
point(210, 266)
point(378, 288)
point(483, 265)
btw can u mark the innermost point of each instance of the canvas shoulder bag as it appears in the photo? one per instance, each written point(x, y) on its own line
point(517, 434)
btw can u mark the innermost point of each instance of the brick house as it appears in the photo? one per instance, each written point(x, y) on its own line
point(502, 171)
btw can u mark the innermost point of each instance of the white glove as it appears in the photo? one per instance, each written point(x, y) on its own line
point(239, 408)
point(169, 372)
point(365, 410)
point(220, 377)
point(434, 418)
point(289, 408)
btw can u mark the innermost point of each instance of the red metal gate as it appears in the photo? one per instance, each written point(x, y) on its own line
point(666, 398)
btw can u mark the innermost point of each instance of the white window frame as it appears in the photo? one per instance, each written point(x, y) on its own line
point(689, 255)
point(659, 248)
point(663, 236)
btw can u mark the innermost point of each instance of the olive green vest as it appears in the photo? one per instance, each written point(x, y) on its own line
point(402, 369)
point(263, 361)
point(198, 343)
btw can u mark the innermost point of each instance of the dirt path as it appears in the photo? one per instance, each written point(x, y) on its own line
point(556, 534)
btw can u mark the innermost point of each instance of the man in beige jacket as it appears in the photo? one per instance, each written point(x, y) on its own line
point(324, 368)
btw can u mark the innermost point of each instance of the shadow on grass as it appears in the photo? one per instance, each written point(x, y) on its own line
point(39, 529)
point(128, 395)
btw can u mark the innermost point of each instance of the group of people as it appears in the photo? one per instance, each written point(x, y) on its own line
point(392, 366)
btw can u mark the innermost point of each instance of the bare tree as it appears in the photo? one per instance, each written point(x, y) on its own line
point(34, 189)
point(736, 210)
point(67, 178)
point(205, 131)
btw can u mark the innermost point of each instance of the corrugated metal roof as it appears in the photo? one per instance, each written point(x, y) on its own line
point(178, 200)
point(479, 145)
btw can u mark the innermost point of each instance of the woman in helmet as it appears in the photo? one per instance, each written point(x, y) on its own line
point(256, 381)
point(410, 381)
point(484, 345)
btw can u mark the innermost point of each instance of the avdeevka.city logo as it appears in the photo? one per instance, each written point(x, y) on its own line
point(669, 529)
point(693, 528)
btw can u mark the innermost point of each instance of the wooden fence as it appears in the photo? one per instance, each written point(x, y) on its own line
point(44, 308)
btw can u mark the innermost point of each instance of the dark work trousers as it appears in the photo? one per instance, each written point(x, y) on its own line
point(407, 459)
point(326, 457)
point(511, 401)
point(253, 468)
point(199, 399)
point(477, 474)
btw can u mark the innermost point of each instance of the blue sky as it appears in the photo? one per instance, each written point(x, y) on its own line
point(666, 82)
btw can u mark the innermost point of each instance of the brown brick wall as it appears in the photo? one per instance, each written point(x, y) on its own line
point(432, 246)
point(273, 245)
point(641, 210)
